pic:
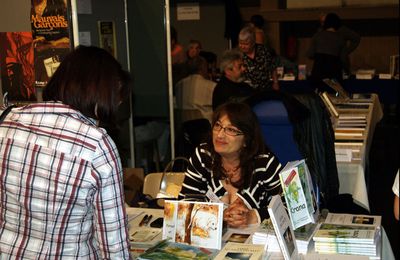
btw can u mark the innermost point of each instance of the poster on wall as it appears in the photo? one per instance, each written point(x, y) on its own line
point(107, 38)
point(51, 31)
point(16, 66)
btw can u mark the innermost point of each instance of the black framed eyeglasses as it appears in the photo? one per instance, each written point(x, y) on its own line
point(227, 130)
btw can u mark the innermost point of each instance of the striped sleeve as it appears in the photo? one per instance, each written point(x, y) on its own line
point(265, 184)
point(197, 175)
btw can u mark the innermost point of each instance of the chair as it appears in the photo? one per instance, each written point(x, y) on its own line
point(133, 183)
point(171, 186)
point(277, 130)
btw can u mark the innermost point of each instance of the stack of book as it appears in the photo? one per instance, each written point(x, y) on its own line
point(365, 74)
point(349, 234)
point(356, 121)
point(266, 235)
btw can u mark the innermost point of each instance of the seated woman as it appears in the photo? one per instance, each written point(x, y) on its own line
point(235, 166)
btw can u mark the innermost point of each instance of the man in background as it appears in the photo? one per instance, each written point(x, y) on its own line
point(231, 86)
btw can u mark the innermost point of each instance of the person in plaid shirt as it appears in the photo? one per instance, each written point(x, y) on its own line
point(61, 190)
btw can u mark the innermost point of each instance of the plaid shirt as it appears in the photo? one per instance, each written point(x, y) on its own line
point(61, 192)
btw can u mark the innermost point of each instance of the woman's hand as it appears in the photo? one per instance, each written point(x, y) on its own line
point(238, 215)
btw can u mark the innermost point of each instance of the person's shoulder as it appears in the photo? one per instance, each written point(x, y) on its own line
point(223, 82)
point(204, 148)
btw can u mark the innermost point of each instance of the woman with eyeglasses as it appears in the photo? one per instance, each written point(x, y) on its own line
point(235, 166)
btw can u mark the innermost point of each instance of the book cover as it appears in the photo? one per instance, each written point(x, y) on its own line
point(240, 251)
point(299, 193)
point(343, 95)
point(51, 30)
point(177, 251)
point(345, 234)
point(283, 228)
point(302, 72)
point(194, 223)
point(329, 105)
point(354, 220)
point(146, 237)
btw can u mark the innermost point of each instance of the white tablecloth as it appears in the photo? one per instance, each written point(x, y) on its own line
point(386, 253)
point(352, 177)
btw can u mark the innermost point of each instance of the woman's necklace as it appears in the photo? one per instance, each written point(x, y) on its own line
point(231, 173)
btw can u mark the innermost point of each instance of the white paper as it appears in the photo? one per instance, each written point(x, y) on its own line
point(188, 11)
point(85, 38)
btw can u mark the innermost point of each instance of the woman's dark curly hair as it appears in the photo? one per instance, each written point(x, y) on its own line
point(241, 116)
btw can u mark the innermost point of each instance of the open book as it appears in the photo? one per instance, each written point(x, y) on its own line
point(340, 91)
point(194, 223)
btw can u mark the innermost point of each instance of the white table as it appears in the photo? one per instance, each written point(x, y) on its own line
point(352, 178)
point(386, 253)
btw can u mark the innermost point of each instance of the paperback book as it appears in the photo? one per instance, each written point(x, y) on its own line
point(345, 234)
point(330, 106)
point(170, 250)
point(299, 193)
point(145, 237)
point(283, 228)
point(342, 94)
point(240, 251)
point(354, 220)
point(265, 235)
point(194, 223)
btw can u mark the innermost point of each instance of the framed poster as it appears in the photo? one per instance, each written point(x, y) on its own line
point(107, 38)
point(51, 29)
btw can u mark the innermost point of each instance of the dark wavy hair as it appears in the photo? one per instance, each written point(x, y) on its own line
point(241, 116)
point(89, 79)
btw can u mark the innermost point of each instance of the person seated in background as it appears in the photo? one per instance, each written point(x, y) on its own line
point(231, 86)
point(193, 49)
point(258, 60)
point(326, 49)
point(235, 166)
point(178, 58)
point(61, 186)
point(395, 189)
point(195, 91)
point(177, 51)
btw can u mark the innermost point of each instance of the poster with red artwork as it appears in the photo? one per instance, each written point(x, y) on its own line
point(17, 66)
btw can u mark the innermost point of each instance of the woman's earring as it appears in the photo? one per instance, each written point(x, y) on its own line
point(95, 110)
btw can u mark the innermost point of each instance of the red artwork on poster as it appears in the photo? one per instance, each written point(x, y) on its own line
point(16, 63)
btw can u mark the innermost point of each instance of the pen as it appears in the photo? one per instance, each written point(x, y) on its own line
point(143, 221)
point(148, 220)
